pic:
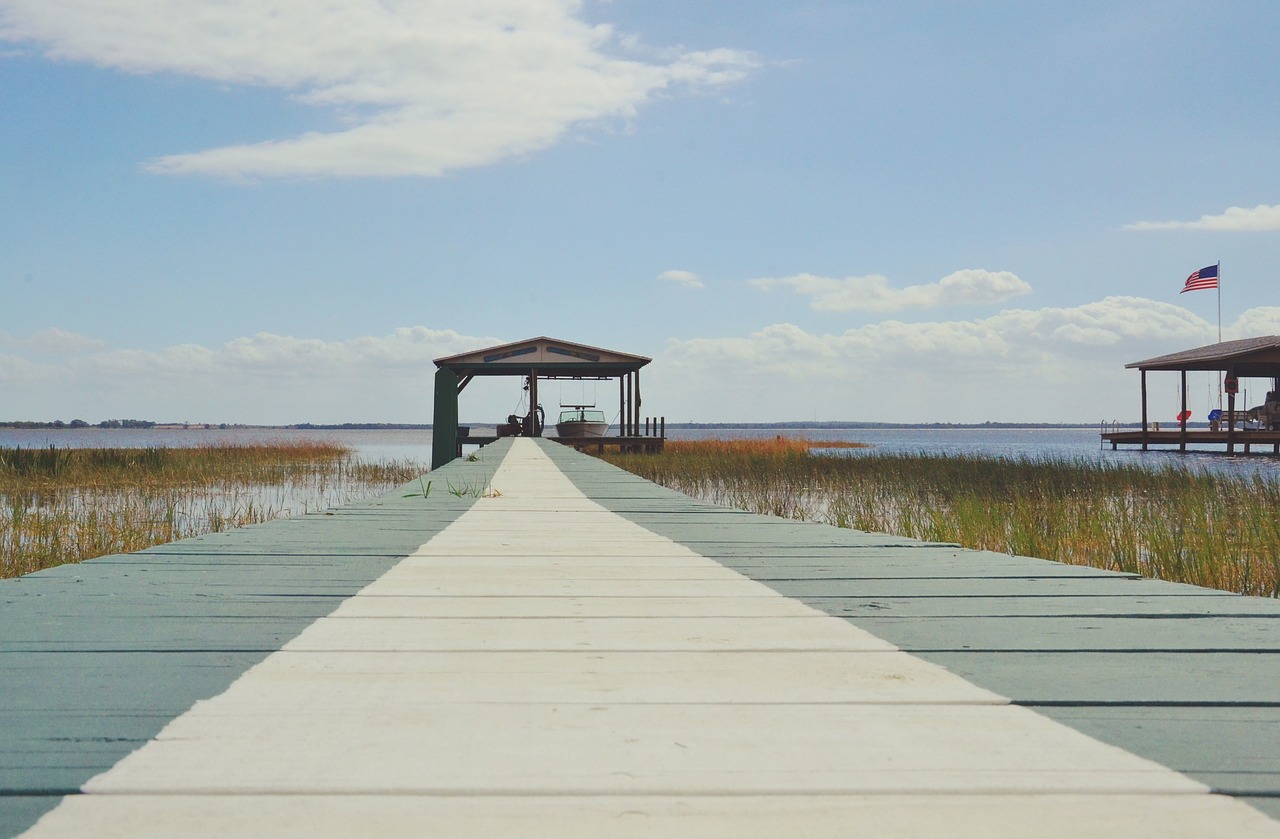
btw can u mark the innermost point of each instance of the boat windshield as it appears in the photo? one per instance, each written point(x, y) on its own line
point(581, 415)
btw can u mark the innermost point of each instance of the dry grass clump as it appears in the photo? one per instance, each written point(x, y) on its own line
point(67, 505)
point(1175, 523)
point(763, 447)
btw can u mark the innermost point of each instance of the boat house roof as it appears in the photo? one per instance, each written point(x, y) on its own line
point(1248, 357)
point(549, 357)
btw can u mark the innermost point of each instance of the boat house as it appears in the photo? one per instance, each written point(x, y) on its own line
point(1237, 426)
point(534, 360)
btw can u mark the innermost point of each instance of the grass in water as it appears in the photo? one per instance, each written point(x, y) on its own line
point(67, 505)
point(1173, 523)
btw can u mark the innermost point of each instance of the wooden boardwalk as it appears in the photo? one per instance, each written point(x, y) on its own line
point(562, 649)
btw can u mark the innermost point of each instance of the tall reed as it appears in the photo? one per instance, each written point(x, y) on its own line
point(1174, 523)
point(66, 505)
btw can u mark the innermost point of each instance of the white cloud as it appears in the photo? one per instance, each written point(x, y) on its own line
point(1017, 365)
point(1264, 320)
point(688, 279)
point(1261, 217)
point(426, 86)
point(873, 293)
point(264, 378)
point(16, 371)
point(1064, 364)
point(53, 341)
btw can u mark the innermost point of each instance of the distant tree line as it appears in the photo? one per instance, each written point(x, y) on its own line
point(359, 426)
point(79, 423)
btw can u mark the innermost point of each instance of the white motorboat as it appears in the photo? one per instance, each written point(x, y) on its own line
point(581, 421)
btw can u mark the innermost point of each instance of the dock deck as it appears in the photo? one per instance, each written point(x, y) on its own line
point(558, 648)
point(1247, 441)
point(641, 443)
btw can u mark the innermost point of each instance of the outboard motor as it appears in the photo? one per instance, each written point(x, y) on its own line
point(533, 422)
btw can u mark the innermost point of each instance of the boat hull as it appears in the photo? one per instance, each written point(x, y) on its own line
point(581, 428)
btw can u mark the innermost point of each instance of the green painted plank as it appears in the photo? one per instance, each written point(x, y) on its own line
point(149, 682)
point(134, 630)
point(1139, 677)
point(1266, 804)
point(986, 587)
point(1220, 742)
point(1185, 606)
point(1235, 751)
point(1051, 633)
point(888, 568)
point(19, 812)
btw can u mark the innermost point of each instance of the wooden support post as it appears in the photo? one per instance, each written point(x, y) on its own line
point(631, 406)
point(1230, 423)
point(1231, 412)
point(1182, 423)
point(1144, 410)
point(535, 431)
point(444, 424)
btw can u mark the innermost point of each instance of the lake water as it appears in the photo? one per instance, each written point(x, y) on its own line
point(1070, 443)
point(370, 444)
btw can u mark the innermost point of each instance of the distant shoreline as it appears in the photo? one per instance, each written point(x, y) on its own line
point(863, 426)
point(58, 425)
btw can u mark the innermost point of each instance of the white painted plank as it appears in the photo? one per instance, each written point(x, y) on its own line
point(340, 682)
point(521, 606)
point(670, 748)
point(808, 632)
point(409, 582)
point(1010, 816)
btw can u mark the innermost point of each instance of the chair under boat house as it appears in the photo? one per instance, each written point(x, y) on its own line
point(1250, 358)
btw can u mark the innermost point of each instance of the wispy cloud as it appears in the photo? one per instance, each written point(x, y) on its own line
point(52, 341)
point(1048, 364)
point(872, 293)
point(1014, 339)
point(1261, 217)
point(260, 378)
point(688, 279)
point(426, 87)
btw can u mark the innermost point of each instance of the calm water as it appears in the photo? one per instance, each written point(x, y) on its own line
point(1071, 443)
point(370, 445)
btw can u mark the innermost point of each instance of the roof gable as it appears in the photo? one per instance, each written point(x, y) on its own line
point(542, 354)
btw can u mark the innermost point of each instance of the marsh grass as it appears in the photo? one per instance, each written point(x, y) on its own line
point(1175, 523)
point(67, 505)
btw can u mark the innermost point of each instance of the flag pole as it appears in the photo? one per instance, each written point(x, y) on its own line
point(1220, 329)
point(1219, 301)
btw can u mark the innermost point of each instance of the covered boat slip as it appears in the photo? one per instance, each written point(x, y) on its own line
point(572, 651)
point(1238, 428)
point(533, 360)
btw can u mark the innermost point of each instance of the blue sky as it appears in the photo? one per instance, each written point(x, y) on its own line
point(897, 211)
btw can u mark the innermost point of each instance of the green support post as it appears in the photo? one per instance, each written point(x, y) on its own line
point(444, 424)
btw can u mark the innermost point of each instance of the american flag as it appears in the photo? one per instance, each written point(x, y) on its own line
point(1204, 278)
